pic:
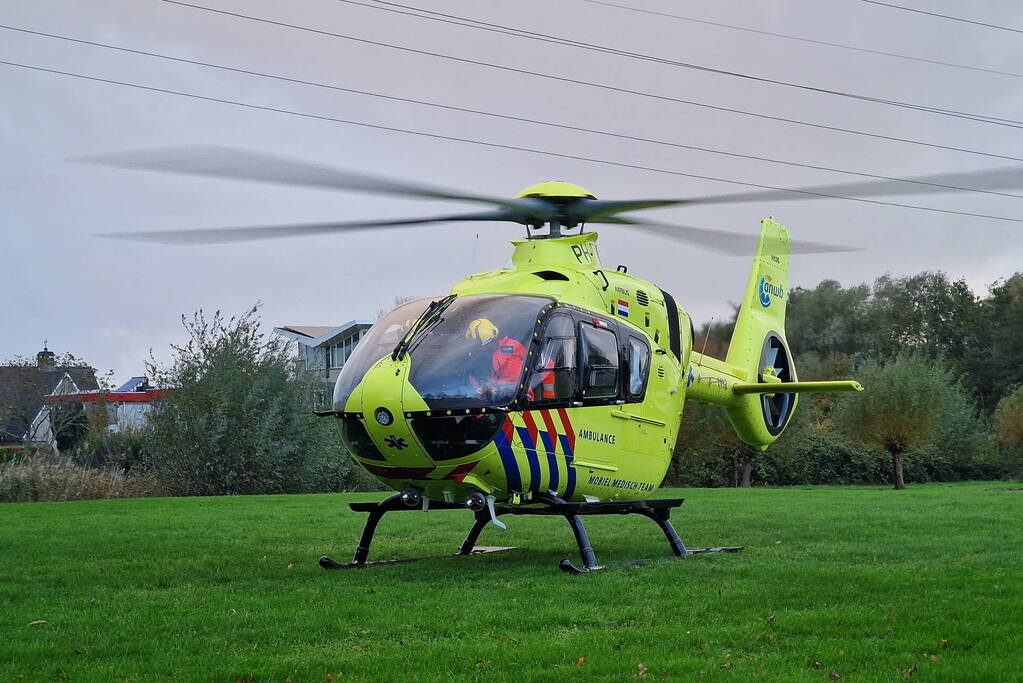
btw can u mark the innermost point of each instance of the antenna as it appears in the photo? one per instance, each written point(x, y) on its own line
point(706, 338)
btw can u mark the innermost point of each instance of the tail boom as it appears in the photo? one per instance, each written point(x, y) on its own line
point(756, 384)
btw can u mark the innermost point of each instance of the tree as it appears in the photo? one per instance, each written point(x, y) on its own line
point(908, 403)
point(398, 301)
point(237, 419)
point(995, 364)
point(1008, 420)
point(828, 319)
point(927, 313)
point(713, 337)
point(708, 451)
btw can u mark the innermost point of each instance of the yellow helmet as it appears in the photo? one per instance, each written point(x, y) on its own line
point(481, 329)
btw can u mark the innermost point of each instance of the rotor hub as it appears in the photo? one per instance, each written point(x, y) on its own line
point(555, 189)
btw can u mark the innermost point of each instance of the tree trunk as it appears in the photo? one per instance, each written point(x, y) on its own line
point(747, 465)
point(900, 482)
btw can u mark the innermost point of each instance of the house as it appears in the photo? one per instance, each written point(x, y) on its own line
point(23, 387)
point(127, 406)
point(323, 350)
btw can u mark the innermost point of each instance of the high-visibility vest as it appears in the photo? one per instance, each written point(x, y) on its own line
point(508, 359)
point(547, 380)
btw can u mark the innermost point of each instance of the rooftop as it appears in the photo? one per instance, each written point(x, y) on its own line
point(319, 335)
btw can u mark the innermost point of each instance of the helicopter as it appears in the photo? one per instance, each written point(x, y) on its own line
point(554, 385)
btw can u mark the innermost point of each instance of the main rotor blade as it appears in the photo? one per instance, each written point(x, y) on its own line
point(591, 209)
point(236, 164)
point(248, 234)
point(987, 180)
point(723, 242)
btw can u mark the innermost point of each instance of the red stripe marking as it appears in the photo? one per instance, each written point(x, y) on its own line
point(567, 424)
point(509, 429)
point(552, 431)
point(527, 417)
point(458, 474)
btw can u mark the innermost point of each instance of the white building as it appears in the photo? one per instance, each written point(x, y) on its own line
point(323, 350)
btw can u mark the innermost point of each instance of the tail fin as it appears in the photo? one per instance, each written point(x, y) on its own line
point(763, 308)
point(758, 344)
point(750, 382)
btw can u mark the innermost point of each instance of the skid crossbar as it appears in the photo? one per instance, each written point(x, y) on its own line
point(657, 510)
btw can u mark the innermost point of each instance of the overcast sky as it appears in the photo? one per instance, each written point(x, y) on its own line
point(111, 301)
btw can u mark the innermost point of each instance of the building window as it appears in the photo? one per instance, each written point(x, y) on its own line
point(314, 357)
point(342, 351)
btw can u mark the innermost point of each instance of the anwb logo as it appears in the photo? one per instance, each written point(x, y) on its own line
point(768, 290)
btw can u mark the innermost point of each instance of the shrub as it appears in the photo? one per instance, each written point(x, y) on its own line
point(239, 420)
point(1008, 420)
point(912, 404)
point(123, 451)
point(56, 478)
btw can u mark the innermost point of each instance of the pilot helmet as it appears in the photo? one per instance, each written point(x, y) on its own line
point(482, 330)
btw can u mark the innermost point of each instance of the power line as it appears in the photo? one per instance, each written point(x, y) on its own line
point(591, 84)
point(942, 16)
point(457, 20)
point(481, 112)
point(811, 41)
point(496, 145)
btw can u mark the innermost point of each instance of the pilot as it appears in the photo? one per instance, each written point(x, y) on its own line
point(506, 360)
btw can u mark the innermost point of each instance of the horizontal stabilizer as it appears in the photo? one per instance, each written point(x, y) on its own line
point(796, 387)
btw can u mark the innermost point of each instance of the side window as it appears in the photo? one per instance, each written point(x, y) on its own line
point(600, 356)
point(639, 366)
point(554, 372)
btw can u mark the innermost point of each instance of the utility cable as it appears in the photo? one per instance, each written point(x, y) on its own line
point(481, 112)
point(496, 145)
point(601, 86)
point(942, 16)
point(568, 42)
point(804, 39)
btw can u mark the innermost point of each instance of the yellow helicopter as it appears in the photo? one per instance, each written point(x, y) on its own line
point(554, 385)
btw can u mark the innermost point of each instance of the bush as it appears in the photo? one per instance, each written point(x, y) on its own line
point(1008, 420)
point(56, 478)
point(818, 456)
point(123, 451)
point(915, 406)
point(239, 419)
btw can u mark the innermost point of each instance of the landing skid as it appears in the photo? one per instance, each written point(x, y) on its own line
point(328, 563)
point(659, 511)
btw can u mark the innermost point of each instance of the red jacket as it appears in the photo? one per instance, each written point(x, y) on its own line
point(508, 359)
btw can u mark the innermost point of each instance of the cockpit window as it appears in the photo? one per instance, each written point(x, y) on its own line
point(554, 371)
point(475, 354)
point(639, 367)
point(378, 342)
point(600, 357)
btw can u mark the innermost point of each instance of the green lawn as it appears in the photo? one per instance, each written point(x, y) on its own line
point(864, 583)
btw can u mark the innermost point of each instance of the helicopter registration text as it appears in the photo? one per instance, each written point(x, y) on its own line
point(584, 253)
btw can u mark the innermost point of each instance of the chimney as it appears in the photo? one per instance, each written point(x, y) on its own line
point(46, 359)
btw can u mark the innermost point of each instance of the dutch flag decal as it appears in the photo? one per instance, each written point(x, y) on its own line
point(623, 308)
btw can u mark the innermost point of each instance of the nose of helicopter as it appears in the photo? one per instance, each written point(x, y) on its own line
point(385, 400)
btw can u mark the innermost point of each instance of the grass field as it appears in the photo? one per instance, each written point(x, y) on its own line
point(861, 583)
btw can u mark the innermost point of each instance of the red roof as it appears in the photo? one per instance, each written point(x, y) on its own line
point(108, 396)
